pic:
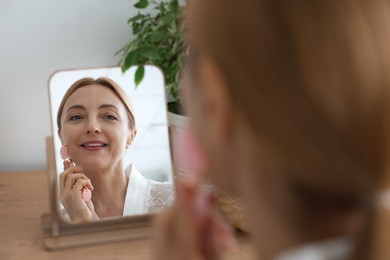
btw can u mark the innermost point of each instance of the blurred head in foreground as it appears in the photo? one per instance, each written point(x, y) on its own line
point(290, 100)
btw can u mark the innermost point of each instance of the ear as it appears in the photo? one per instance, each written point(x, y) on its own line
point(213, 120)
point(216, 104)
point(130, 138)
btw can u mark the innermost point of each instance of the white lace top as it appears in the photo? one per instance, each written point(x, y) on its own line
point(144, 195)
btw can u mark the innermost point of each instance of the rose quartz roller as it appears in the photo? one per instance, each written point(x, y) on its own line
point(87, 194)
point(64, 153)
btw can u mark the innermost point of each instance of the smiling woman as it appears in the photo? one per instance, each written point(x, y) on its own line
point(96, 125)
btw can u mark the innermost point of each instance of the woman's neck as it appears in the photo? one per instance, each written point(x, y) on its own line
point(109, 192)
point(273, 208)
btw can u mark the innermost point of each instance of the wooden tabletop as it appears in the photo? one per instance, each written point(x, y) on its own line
point(24, 197)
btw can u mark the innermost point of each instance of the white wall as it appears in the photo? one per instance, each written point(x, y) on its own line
point(36, 38)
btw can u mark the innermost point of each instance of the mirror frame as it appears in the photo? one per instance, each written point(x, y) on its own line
point(61, 234)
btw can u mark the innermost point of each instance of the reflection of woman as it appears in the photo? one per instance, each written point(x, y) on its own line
point(290, 102)
point(96, 122)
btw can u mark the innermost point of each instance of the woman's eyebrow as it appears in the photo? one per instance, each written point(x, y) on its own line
point(108, 106)
point(76, 107)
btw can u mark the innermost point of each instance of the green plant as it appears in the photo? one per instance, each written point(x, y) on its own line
point(158, 40)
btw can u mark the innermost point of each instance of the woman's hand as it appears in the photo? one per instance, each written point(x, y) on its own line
point(191, 228)
point(72, 183)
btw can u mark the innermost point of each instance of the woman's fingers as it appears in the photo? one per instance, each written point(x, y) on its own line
point(217, 237)
point(209, 244)
point(175, 237)
point(80, 184)
point(226, 232)
point(72, 180)
point(202, 216)
point(90, 206)
point(66, 164)
point(65, 173)
point(191, 229)
point(68, 179)
point(72, 183)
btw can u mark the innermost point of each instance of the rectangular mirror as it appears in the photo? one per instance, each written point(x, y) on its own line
point(109, 158)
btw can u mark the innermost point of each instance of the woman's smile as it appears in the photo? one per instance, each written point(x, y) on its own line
point(94, 145)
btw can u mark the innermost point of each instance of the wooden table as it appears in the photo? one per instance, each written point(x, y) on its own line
point(24, 197)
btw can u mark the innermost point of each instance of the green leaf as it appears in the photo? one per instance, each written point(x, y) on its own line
point(136, 28)
point(130, 60)
point(142, 4)
point(135, 18)
point(157, 36)
point(139, 75)
point(161, 7)
point(167, 19)
point(150, 53)
point(157, 39)
point(174, 6)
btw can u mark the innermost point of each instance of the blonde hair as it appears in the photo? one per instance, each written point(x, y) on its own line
point(105, 82)
point(311, 78)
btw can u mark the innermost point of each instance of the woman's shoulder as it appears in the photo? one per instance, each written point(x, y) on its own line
point(134, 174)
point(160, 196)
point(156, 196)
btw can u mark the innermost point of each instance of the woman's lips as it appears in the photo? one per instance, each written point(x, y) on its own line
point(94, 145)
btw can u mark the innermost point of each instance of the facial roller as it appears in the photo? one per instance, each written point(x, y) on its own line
point(86, 194)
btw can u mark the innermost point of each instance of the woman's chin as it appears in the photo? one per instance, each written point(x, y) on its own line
point(93, 165)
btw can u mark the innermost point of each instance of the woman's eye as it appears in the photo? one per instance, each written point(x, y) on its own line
point(75, 118)
point(110, 117)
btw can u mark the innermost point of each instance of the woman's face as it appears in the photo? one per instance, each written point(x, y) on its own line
point(94, 125)
point(207, 103)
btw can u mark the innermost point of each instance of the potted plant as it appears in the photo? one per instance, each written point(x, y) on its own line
point(158, 40)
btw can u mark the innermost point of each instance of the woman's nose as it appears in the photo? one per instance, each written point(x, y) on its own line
point(96, 130)
point(92, 127)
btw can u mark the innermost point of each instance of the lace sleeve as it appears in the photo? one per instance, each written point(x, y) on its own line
point(160, 196)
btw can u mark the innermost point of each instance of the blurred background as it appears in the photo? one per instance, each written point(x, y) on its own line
point(37, 38)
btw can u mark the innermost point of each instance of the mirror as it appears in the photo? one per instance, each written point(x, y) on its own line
point(129, 167)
